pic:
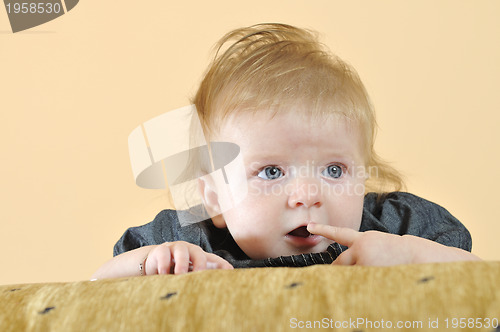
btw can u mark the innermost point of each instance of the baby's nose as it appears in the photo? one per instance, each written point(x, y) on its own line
point(305, 192)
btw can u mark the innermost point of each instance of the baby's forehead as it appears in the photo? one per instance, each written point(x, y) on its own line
point(291, 116)
point(293, 127)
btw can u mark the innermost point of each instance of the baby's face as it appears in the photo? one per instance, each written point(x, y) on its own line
point(297, 172)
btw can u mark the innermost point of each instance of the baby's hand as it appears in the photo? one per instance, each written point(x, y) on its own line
point(378, 248)
point(181, 257)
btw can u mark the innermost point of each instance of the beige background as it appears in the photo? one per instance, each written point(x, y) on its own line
point(72, 90)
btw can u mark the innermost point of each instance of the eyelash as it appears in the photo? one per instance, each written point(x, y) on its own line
point(341, 168)
point(269, 167)
point(263, 172)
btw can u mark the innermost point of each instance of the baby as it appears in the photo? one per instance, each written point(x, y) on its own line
point(317, 191)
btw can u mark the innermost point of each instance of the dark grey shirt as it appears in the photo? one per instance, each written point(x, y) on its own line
point(396, 213)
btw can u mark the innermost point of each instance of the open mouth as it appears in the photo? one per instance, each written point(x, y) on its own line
point(300, 232)
point(301, 238)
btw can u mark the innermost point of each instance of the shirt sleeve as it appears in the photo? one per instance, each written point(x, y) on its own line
point(164, 228)
point(404, 213)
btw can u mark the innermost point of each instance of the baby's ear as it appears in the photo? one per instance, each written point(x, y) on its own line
point(208, 193)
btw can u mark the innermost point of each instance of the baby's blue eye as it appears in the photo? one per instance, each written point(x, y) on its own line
point(270, 173)
point(333, 171)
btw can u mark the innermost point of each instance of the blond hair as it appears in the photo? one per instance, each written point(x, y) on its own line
point(276, 67)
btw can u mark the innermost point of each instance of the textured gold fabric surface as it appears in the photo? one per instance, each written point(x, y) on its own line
point(264, 299)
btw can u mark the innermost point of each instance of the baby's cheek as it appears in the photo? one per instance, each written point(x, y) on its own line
point(347, 213)
point(254, 220)
point(253, 238)
point(242, 219)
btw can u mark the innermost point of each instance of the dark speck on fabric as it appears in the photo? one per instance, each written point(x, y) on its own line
point(294, 284)
point(169, 295)
point(426, 279)
point(46, 310)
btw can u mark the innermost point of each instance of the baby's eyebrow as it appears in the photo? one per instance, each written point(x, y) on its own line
point(266, 157)
point(283, 158)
